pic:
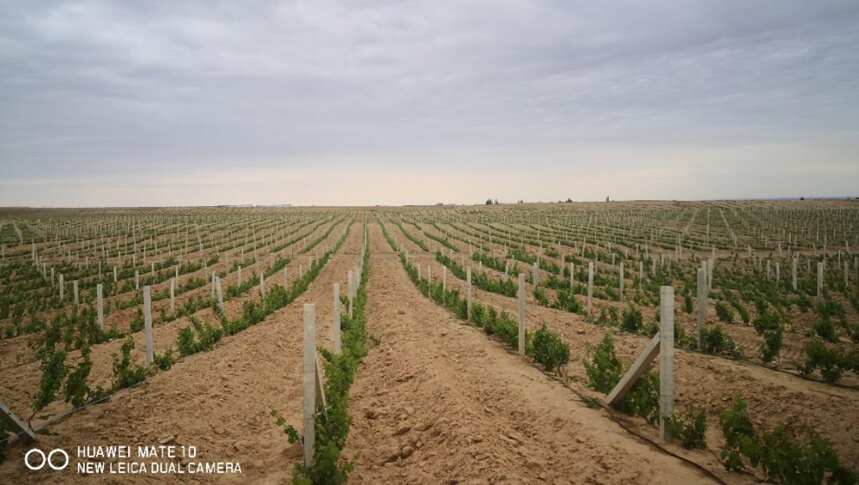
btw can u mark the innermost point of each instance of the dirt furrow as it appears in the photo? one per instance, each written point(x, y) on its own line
point(219, 401)
point(438, 402)
point(701, 381)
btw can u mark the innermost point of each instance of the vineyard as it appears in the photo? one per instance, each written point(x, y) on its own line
point(621, 342)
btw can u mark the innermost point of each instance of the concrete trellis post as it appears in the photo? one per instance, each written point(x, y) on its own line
point(572, 275)
point(710, 264)
point(219, 292)
point(99, 303)
point(661, 344)
point(239, 276)
point(62, 288)
point(115, 278)
point(136, 280)
point(819, 279)
point(520, 313)
point(635, 371)
point(335, 326)
point(468, 293)
point(535, 274)
point(620, 285)
point(590, 287)
point(147, 323)
point(172, 295)
point(350, 290)
point(444, 279)
point(309, 381)
point(702, 305)
point(794, 264)
point(75, 293)
point(666, 358)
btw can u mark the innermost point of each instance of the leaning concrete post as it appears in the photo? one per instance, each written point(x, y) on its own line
point(572, 275)
point(335, 326)
point(520, 311)
point(99, 303)
point(115, 279)
point(666, 358)
point(309, 382)
point(702, 304)
point(172, 295)
point(590, 287)
point(147, 323)
point(468, 293)
point(75, 292)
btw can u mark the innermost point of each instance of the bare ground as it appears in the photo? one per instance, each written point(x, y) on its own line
point(438, 402)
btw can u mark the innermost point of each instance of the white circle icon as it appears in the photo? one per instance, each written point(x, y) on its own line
point(38, 452)
point(49, 459)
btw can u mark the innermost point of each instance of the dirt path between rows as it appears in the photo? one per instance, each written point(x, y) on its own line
point(20, 384)
point(438, 402)
point(219, 401)
point(701, 381)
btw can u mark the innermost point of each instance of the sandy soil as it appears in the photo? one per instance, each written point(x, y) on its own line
point(219, 401)
point(435, 401)
point(438, 402)
point(701, 381)
point(16, 351)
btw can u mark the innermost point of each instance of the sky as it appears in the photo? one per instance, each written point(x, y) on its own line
point(418, 102)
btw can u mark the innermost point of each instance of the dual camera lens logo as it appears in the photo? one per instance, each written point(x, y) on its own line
point(36, 459)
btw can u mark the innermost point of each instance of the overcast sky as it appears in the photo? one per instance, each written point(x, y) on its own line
point(393, 102)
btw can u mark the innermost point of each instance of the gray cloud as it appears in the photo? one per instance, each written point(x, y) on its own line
point(127, 87)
